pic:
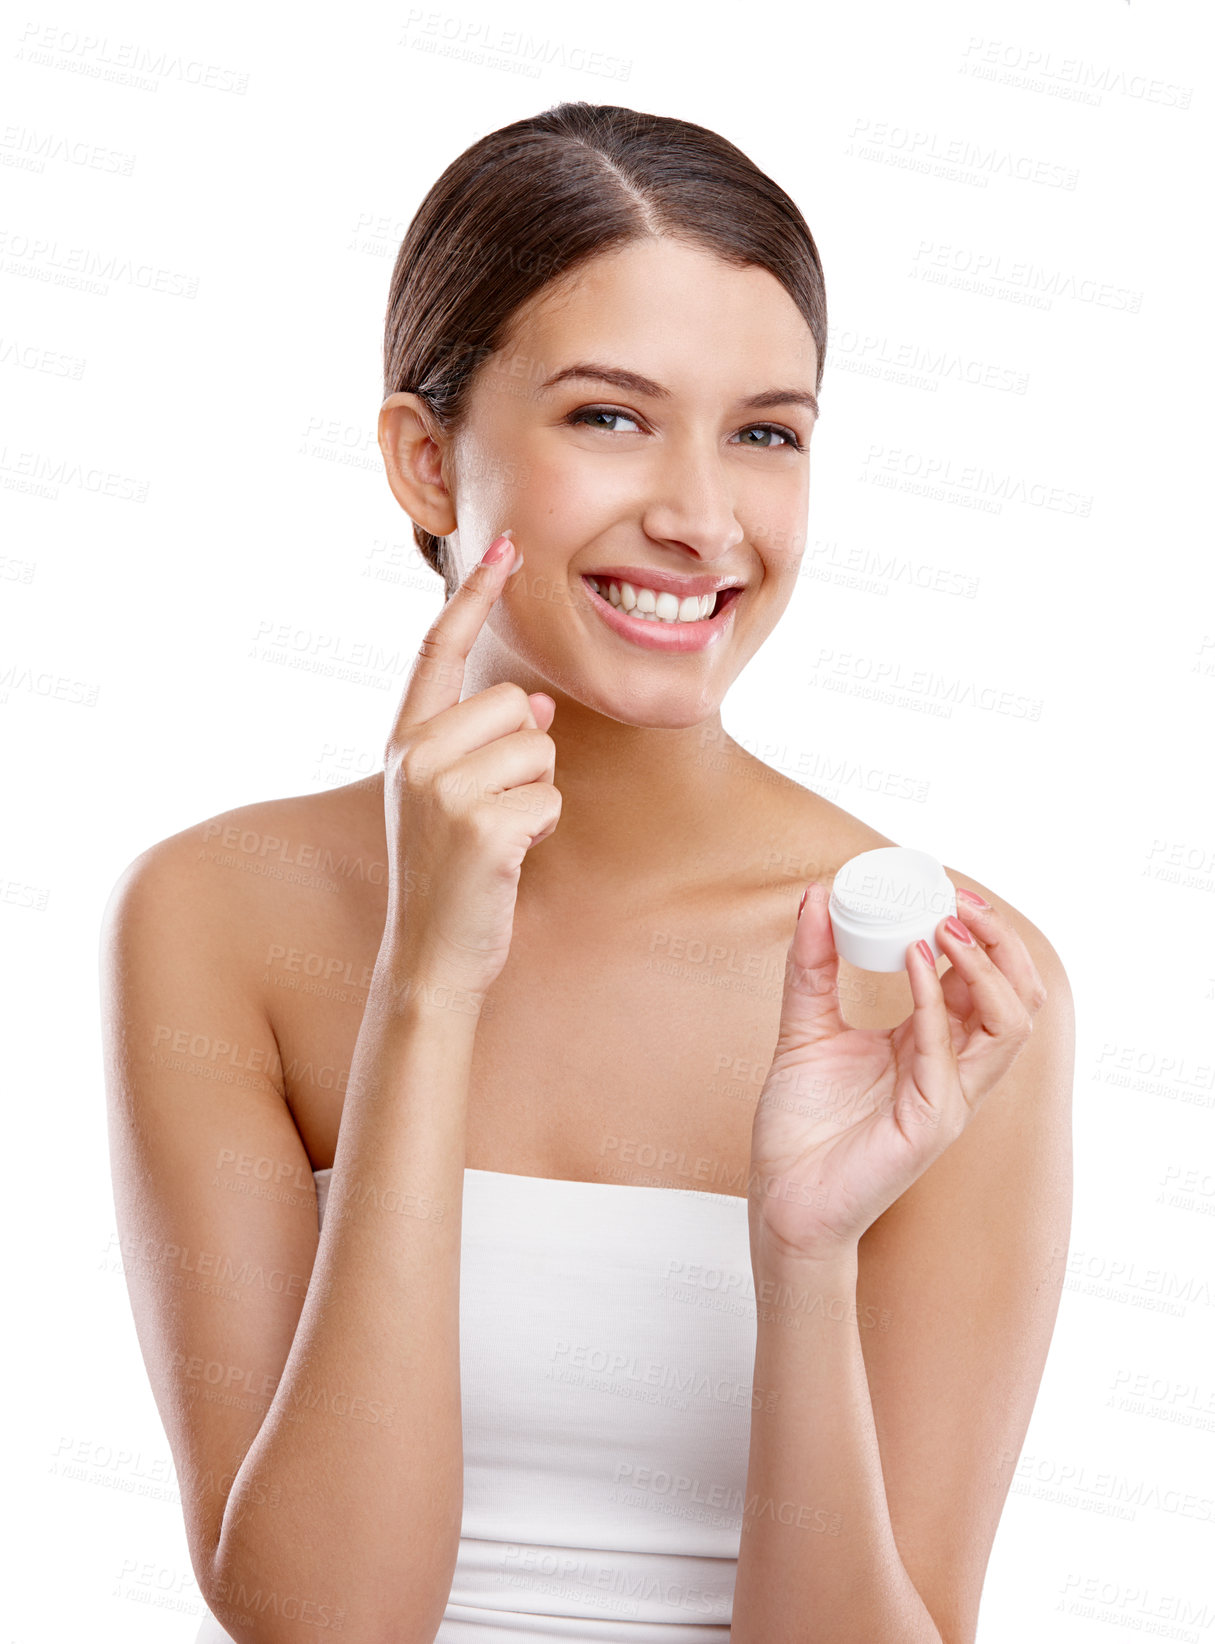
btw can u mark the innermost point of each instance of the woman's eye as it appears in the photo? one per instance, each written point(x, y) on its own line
point(600, 417)
point(762, 435)
point(769, 436)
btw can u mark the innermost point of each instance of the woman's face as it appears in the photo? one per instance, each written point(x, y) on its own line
point(689, 472)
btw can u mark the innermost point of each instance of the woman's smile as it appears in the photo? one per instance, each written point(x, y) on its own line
point(655, 619)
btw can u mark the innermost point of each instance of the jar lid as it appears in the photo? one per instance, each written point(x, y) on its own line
point(893, 886)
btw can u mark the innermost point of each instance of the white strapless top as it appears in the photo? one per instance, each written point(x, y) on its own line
point(607, 1351)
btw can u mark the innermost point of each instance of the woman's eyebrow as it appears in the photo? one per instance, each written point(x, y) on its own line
point(632, 382)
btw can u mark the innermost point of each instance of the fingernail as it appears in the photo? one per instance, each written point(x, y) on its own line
point(955, 927)
point(496, 550)
point(970, 896)
point(802, 903)
point(925, 953)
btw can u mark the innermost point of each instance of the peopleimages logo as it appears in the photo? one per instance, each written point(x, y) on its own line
point(472, 39)
point(124, 61)
point(917, 365)
point(32, 257)
point(1070, 77)
point(972, 160)
point(937, 262)
point(893, 463)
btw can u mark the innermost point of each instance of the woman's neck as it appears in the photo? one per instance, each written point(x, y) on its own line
point(642, 805)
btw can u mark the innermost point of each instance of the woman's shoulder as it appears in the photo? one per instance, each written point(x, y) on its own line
point(1039, 946)
point(255, 861)
point(837, 835)
point(799, 834)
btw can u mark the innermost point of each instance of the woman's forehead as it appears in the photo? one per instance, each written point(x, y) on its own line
point(660, 307)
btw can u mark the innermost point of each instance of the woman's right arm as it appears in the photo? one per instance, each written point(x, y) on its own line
point(310, 1388)
point(310, 1396)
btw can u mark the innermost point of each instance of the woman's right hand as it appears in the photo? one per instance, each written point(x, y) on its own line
point(468, 790)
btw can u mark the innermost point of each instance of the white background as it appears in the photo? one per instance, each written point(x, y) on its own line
point(1012, 206)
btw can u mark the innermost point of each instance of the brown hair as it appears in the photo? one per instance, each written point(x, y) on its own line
point(528, 202)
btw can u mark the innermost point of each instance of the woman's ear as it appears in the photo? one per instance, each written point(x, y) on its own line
point(413, 448)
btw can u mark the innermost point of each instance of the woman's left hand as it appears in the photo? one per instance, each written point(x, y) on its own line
point(848, 1118)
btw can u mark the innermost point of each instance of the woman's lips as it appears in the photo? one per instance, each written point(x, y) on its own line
point(666, 636)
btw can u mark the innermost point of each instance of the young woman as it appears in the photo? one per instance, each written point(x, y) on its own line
point(674, 1280)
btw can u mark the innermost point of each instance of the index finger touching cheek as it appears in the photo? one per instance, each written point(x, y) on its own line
point(437, 676)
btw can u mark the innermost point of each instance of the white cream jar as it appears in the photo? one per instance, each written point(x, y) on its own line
point(883, 900)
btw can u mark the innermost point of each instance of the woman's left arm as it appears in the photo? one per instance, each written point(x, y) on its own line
point(896, 1372)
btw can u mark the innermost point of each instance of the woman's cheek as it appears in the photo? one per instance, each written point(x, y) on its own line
point(775, 525)
point(569, 503)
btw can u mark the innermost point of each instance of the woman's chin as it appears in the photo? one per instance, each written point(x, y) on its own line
point(675, 711)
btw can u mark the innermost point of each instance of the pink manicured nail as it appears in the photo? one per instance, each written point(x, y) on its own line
point(955, 927)
point(926, 953)
point(970, 896)
point(496, 550)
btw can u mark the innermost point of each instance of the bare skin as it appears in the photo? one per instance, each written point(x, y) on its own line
point(625, 1040)
point(578, 1070)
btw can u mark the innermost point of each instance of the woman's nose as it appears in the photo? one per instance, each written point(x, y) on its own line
point(690, 500)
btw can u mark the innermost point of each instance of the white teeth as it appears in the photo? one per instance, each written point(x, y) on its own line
point(653, 606)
